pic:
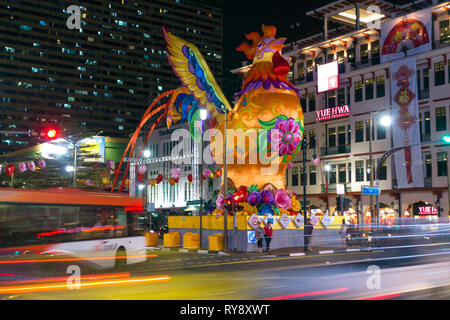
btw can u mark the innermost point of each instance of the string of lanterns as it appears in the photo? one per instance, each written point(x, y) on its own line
point(23, 166)
point(175, 176)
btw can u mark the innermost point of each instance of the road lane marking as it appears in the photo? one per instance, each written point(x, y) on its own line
point(326, 251)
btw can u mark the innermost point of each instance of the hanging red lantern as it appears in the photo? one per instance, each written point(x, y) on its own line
point(10, 169)
point(159, 179)
point(140, 177)
point(190, 178)
point(176, 180)
point(218, 173)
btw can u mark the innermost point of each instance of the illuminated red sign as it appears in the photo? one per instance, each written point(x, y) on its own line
point(427, 211)
point(332, 113)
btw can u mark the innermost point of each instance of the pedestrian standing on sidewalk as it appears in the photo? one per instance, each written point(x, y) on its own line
point(259, 235)
point(308, 235)
point(268, 235)
point(343, 233)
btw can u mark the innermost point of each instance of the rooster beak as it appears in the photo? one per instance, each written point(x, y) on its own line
point(277, 44)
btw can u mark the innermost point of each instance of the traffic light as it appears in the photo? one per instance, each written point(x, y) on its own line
point(446, 139)
point(49, 133)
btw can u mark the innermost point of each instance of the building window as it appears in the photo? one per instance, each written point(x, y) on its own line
point(332, 99)
point(369, 89)
point(294, 177)
point(312, 101)
point(359, 131)
point(312, 138)
point(368, 130)
point(381, 130)
point(318, 61)
point(351, 55)
point(332, 174)
point(309, 70)
point(428, 166)
point(303, 104)
point(375, 49)
point(341, 136)
point(441, 119)
point(439, 73)
point(301, 71)
point(330, 57)
point(302, 178)
point(331, 137)
point(341, 97)
point(358, 91)
point(427, 122)
point(380, 87)
point(342, 173)
point(341, 61)
point(383, 171)
point(359, 170)
point(364, 50)
point(444, 31)
point(312, 175)
point(442, 164)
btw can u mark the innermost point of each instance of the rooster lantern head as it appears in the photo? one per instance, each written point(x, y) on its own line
point(265, 48)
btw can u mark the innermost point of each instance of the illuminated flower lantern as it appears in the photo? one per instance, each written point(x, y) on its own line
point(31, 166)
point(266, 102)
point(41, 163)
point(22, 167)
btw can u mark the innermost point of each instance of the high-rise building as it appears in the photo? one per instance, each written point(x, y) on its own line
point(103, 75)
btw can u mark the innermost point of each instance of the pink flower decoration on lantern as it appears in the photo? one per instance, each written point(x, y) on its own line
point(206, 173)
point(175, 173)
point(31, 166)
point(142, 169)
point(282, 200)
point(287, 138)
point(89, 182)
point(22, 167)
point(220, 201)
point(41, 164)
point(290, 165)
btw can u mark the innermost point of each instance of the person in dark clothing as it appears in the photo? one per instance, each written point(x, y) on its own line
point(308, 235)
point(268, 235)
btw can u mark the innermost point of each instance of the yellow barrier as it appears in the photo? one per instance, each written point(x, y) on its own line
point(151, 239)
point(171, 239)
point(216, 242)
point(191, 240)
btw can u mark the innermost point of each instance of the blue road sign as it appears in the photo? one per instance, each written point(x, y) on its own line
point(374, 191)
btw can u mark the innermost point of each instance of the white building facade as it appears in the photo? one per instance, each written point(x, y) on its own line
point(364, 86)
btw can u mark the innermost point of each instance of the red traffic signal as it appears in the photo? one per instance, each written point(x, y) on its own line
point(46, 133)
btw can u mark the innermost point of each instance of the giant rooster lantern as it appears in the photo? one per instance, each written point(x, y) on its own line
point(266, 120)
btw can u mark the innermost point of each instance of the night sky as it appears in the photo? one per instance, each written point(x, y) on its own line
point(245, 16)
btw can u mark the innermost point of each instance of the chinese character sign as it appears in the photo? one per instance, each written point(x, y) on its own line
point(405, 129)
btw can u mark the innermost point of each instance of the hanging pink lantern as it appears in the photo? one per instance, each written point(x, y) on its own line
point(41, 163)
point(31, 166)
point(175, 172)
point(206, 173)
point(142, 169)
point(89, 182)
point(315, 160)
point(111, 164)
point(22, 167)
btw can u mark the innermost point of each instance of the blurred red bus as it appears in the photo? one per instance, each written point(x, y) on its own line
point(73, 222)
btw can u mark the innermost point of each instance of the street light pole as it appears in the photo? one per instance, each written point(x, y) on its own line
point(370, 164)
point(305, 216)
point(225, 186)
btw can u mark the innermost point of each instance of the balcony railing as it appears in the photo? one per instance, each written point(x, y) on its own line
point(329, 151)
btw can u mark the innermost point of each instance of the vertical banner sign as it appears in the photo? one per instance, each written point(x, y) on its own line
point(405, 112)
point(410, 35)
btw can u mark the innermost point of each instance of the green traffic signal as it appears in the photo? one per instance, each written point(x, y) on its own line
point(446, 138)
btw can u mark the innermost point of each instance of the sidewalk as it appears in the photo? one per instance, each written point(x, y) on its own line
point(282, 252)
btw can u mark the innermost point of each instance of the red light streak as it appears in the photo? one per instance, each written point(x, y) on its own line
point(384, 297)
point(61, 286)
point(52, 233)
point(308, 294)
point(56, 279)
